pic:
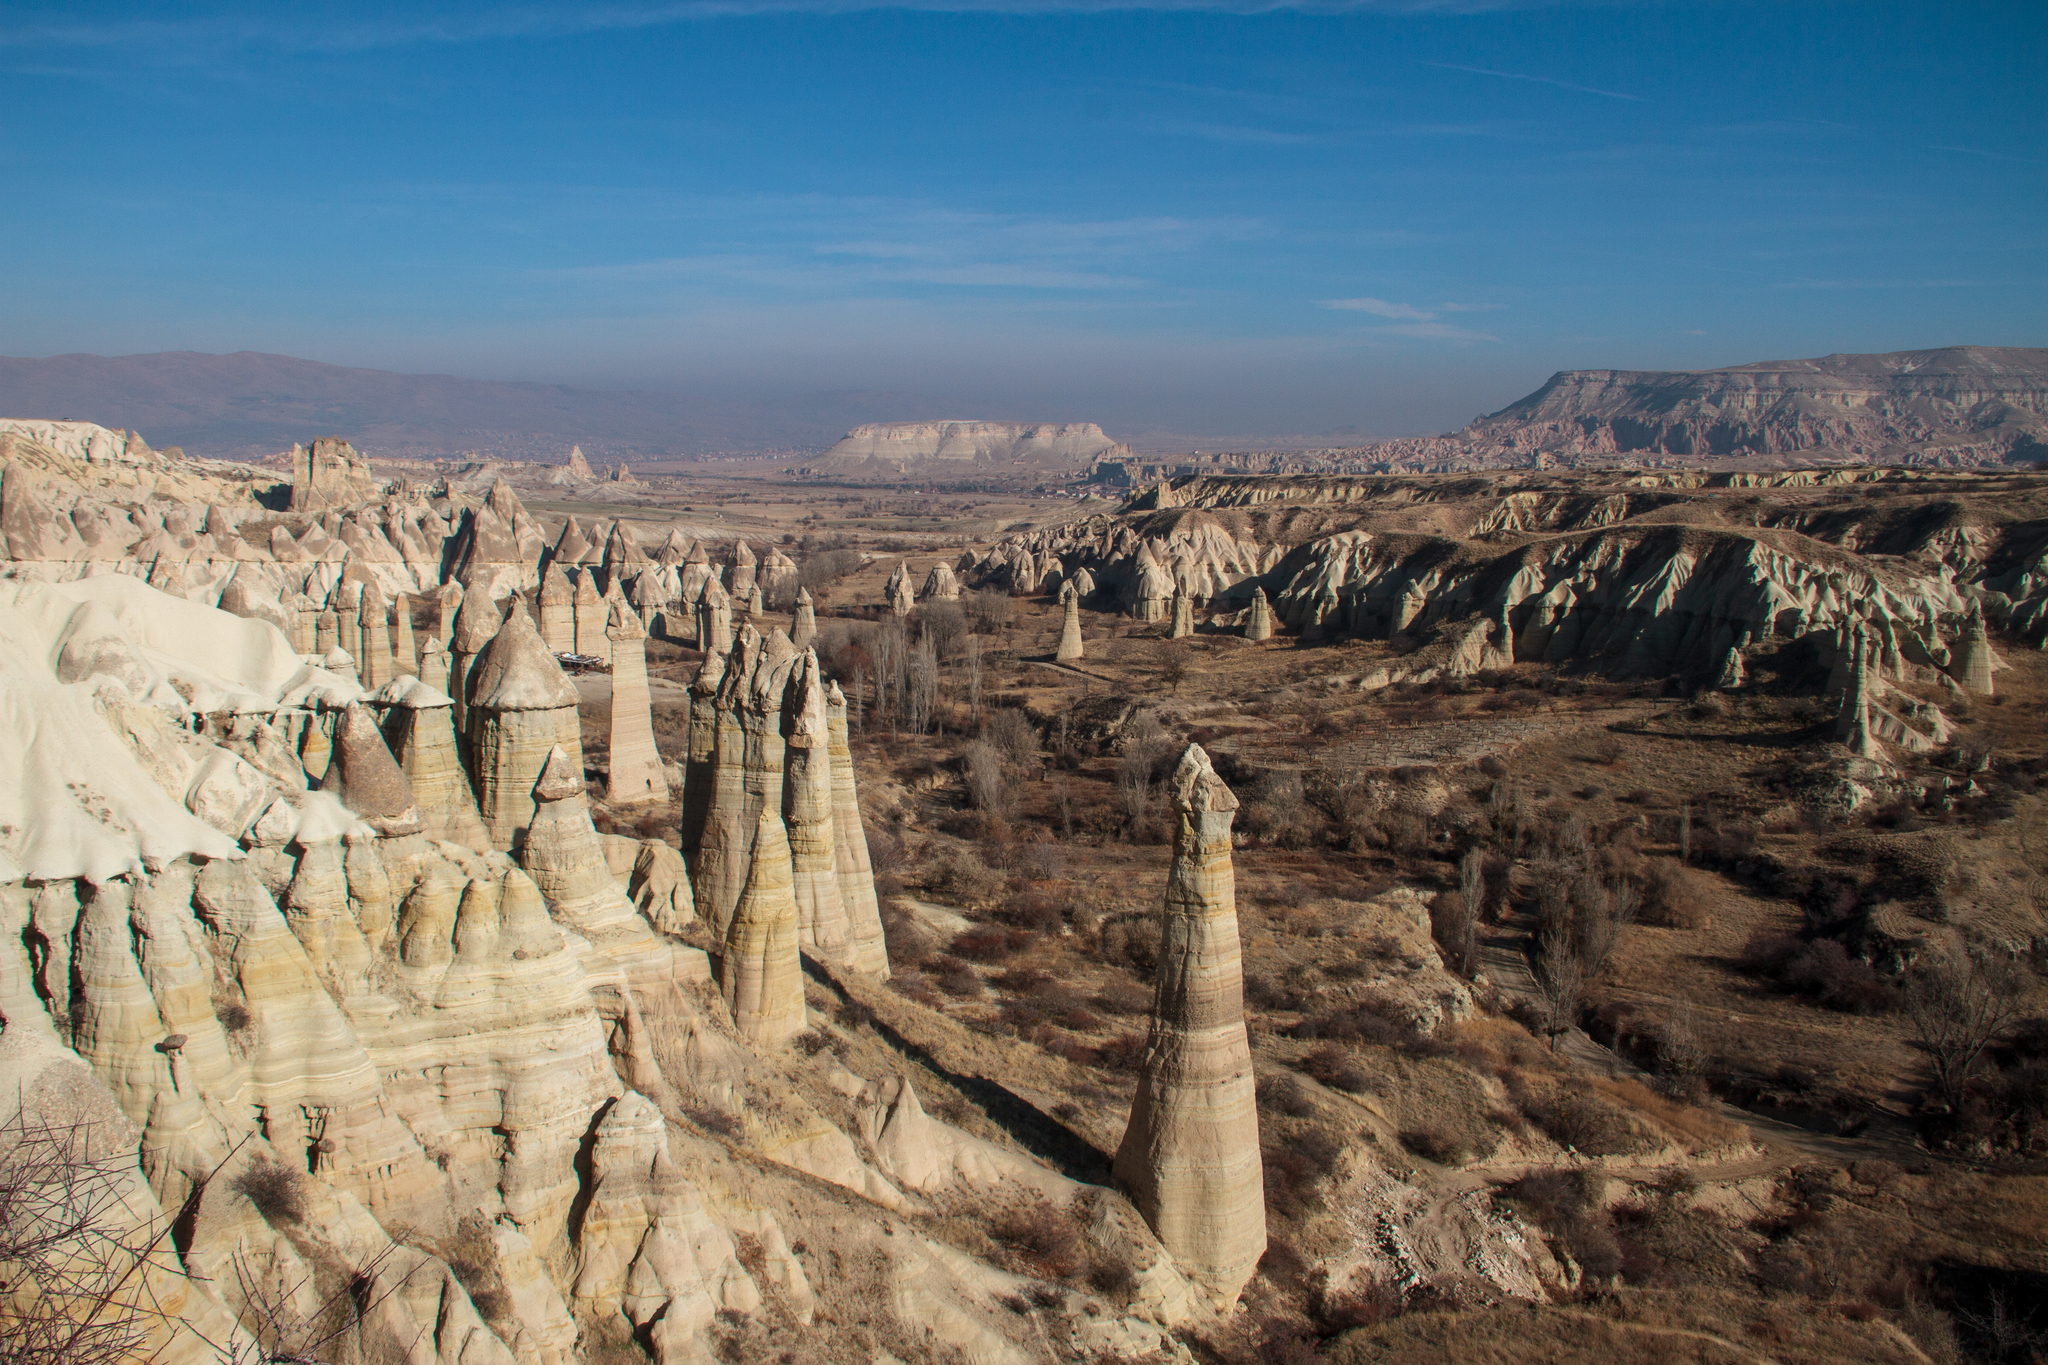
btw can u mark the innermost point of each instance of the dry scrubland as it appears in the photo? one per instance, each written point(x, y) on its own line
point(1731, 1136)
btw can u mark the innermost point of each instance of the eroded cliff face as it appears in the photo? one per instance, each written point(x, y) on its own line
point(492, 1096)
point(898, 447)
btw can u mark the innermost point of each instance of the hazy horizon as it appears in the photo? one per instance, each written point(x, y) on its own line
point(1223, 219)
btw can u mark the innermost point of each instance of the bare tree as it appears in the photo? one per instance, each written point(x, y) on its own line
point(1471, 900)
point(988, 785)
point(1685, 831)
point(1959, 1005)
point(924, 686)
point(1560, 977)
point(973, 666)
point(1604, 910)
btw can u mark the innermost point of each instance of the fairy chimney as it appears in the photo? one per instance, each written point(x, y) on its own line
point(1190, 1156)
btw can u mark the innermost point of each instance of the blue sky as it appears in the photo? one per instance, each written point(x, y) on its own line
point(1199, 218)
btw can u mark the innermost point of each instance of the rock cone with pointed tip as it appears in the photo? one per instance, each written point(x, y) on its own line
point(367, 779)
point(759, 972)
point(1070, 647)
point(823, 929)
point(523, 707)
point(1259, 625)
point(636, 774)
point(419, 725)
point(1190, 1157)
point(1973, 657)
point(870, 949)
point(803, 627)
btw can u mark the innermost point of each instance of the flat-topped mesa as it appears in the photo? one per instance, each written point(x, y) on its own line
point(367, 779)
point(1070, 646)
point(524, 706)
point(592, 617)
point(823, 928)
point(714, 619)
point(1190, 1157)
point(557, 610)
point(419, 726)
point(1259, 624)
point(803, 626)
point(869, 948)
point(636, 774)
point(759, 971)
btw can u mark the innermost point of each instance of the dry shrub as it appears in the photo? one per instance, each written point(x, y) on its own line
point(957, 979)
point(1042, 1237)
point(1697, 1129)
point(1569, 1205)
point(961, 874)
point(1132, 941)
point(1282, 1094)
point(1297, 1164)
point(273, 1188)
point(1671, 899)
point(1335, 1067)
point(1436, 1142)
point(1822, 969)
point(990, 942)
point(1124, 997)
point(910, 943)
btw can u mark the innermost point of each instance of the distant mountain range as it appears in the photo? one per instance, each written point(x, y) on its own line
point(250, 404)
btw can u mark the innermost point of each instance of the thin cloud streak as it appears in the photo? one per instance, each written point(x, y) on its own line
point(1379, 308)
point(1539, 80)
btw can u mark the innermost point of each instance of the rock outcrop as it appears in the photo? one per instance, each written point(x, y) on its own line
point(636, 773)
point(1190, 1156)
point(967, 447)
point(1070, 646)
point(758, 971)
point(523, 707)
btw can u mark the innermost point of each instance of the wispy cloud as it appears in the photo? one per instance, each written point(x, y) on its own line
point(1379, 308)
point(1437, 331)
point(1993, 156)
point(1538, 80)
point(316, 33)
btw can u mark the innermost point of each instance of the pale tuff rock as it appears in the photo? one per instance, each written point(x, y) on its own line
point(1732, 674)
point(1153, 587)
point(367, 779)
point(1973, 663)
point(1190, 1157)
point(940, 585)
point(739, 578)
point(700, 759)
point(592, 616)
point(897, 593)
point(870, 951)
point(803, 626)
point(659, 883)
point(697, 572)
point(447, 604)
point(759, 973)
point(636, 770)
point(725, 833)
point(714, 620)
point(377, 661)
point(928, 1156)
point(405, 654)
point(571, 548)
point(565, 858)
point(647, 1243)
point(756, 608)
point(1183, 615)
point(476, 625)
point(896, 447)
point(778, 573)
point(578, 468)
point(823, 927)
point(419, 727)
point(326, 633)
point(557, 611)
point(525, 707)
point(1259, 625)
point(1070, 646)
point(329, 473)
point(434, 667)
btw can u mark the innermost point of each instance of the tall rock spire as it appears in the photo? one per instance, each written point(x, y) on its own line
point(869, 949)
point(759, 972)
point(803, 626)
point(1259, 625)
point(1070, 647)
point(823, 929)
point(557, 610)
point(1973, 657)
point(1190, 1157)
point(1183, 614)
point(522, 706)
point(700, 760)
point(636, 773)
